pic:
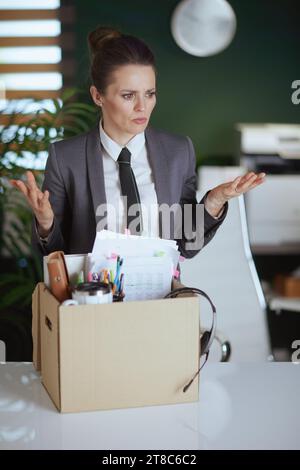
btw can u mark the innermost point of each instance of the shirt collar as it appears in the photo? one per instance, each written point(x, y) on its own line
point(113, 149)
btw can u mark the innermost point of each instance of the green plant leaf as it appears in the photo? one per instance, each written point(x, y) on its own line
point(19, 293)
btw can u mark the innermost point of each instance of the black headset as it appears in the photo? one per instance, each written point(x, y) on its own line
point(208, 336)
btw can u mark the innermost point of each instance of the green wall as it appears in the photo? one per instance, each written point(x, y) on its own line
point(204, 97)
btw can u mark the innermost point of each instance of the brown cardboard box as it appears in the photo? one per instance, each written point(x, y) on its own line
point(119, 355)
point(287, 286)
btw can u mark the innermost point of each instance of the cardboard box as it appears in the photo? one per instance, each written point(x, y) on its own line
point(119, 355)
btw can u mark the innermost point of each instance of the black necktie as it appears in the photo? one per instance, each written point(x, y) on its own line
point(130, 190)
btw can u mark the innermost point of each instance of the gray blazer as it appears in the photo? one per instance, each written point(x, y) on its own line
point(75, 180)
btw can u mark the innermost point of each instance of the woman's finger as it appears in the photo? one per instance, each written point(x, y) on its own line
point(235, 182)
point(253, 182)
point(257, 182)
point(246, 177)
point(14, 183)
point(44, 199)
point(246, 185)
point(33, 189)
point(31, 181)
point(20, 186)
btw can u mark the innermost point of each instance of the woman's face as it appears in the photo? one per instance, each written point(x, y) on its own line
point(129, 96)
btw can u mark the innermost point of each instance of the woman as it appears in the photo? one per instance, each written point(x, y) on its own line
point(123, 163)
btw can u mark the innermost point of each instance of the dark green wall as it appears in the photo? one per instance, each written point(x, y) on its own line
point(204, 97)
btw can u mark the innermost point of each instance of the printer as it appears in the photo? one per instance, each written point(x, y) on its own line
point(272, 148)
point(272, 209)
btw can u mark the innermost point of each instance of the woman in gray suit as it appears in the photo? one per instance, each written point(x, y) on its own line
point(124, 173)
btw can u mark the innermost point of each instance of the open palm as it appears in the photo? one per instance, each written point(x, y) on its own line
point(37, 200)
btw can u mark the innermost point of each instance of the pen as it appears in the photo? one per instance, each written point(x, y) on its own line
point(119, 264)
point(118, 284)
point(121, 283)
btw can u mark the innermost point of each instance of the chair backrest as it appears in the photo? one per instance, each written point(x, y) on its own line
point(2, 351)
point(225, 270)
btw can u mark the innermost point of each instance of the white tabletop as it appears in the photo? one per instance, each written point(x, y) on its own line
point(245, 406)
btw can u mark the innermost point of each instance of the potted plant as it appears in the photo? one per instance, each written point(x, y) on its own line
point(29, 134)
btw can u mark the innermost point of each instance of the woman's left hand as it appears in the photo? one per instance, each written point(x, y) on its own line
point(219, 195)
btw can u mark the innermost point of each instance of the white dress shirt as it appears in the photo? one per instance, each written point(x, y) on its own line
point(144, 179)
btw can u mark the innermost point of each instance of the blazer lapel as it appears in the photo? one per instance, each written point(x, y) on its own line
point(95, 169)
point(158, 164)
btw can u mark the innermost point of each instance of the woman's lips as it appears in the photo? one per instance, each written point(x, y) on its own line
point(140, 121)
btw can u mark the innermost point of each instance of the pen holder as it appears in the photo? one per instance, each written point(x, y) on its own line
point(117, 296)
point(86, 292)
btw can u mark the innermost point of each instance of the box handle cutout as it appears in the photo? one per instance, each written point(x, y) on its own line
point(48, 323)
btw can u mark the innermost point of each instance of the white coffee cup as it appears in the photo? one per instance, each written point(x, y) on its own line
point(70, 302)
point(92, 293)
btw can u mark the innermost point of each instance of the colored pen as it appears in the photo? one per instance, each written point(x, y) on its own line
point(121, 284)
point(119, 264)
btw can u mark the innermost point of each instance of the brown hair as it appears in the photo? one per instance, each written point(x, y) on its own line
point(110, 49)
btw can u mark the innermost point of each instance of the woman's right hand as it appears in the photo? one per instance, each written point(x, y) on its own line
point(38, 201)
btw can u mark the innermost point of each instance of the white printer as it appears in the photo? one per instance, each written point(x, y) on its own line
point(273, 209)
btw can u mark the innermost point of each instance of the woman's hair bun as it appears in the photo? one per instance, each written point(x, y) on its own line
point(110, 49)
point(98, 37)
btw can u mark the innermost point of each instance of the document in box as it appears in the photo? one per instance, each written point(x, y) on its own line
point(147, 278)
point(107, 242)
point(148, 262)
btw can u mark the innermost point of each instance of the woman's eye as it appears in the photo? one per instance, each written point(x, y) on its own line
point(128, 96)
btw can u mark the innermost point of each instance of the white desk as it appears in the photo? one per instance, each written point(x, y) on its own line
point(245, 406)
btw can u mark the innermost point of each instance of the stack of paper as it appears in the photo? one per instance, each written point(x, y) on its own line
point(148, 263)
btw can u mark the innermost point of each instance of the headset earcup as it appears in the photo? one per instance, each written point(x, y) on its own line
point(204, 342)
point(207, 336)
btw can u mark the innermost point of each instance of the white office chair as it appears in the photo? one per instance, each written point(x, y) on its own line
point(225, 270)
point(2, 351)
